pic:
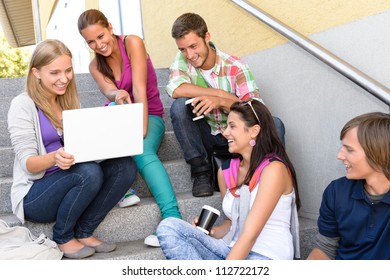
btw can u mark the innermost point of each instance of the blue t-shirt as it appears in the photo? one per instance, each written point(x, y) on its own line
point(363, 227)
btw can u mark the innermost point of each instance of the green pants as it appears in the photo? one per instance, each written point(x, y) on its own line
point(153, 171)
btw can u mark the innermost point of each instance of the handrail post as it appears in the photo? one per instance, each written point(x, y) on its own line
point(372, 86)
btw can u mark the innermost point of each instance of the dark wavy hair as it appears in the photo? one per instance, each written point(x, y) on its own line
point(267, 141)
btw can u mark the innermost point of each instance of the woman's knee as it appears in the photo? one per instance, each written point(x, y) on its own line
point(146, 159)
point(168, 226)
point(124, 169)
point(90, 174)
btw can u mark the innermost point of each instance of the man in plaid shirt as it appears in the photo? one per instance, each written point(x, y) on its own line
point(216, 80)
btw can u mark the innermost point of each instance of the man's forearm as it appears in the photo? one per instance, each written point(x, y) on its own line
point(191, 91)
point(317, 254)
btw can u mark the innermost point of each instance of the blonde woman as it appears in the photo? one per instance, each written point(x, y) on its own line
point(47, 184)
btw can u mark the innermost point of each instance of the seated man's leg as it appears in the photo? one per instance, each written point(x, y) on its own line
point(189, 136)
point(280, 130)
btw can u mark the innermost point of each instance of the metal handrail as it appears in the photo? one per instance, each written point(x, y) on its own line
point(372, 86)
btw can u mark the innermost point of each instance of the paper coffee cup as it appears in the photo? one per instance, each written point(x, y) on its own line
point(194, 116)
point(208, 216)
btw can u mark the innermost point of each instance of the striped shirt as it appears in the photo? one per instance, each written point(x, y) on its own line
point(229, 74)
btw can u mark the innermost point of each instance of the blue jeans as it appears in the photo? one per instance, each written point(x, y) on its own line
point(194, 136)
point(78, 199)
point(180, 240)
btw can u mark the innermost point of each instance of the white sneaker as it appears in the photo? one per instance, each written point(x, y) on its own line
point(130, 198)
point(152, 240)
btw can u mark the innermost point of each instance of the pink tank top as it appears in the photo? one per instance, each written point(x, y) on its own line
point(126, 82)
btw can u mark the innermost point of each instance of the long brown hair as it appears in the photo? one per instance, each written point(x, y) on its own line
point(92, 17)
point(45, 53)
point(267, 141)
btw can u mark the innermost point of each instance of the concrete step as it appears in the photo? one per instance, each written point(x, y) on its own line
point(5, 194)
point(10, 87)
point(5, 140)
point(307, 232)
point(137, 250)
point(178, 171)
point(128, 227)
point(87, 99)
point(131, 223)
point(131, 250)
point(4, 135)
point(169, 150)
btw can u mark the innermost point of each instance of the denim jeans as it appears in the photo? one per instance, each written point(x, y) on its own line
point(194, 137)
point(78, 199)
point(180, 240)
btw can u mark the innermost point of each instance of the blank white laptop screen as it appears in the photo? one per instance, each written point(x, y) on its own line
point(103, 132)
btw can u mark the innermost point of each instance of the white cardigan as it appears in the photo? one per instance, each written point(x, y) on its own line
point(26, 140)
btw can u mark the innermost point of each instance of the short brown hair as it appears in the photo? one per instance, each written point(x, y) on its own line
point(189, 22)
point(373, 132)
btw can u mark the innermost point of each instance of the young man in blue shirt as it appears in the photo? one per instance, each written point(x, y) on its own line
point(354, 221)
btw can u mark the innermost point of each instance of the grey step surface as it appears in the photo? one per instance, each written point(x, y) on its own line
point(169, 150)
point(12, 86)
point(126, 226)
point(5, 140)
point(130, 223)
point(178, 170)
point(124, 222)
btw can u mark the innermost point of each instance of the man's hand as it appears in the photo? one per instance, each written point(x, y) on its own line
point(203, 105)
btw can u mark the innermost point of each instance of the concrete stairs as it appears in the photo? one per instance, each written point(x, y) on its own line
point(126, 226)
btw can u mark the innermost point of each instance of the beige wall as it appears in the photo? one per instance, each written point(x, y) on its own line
point(237, 32)
point(46, 8)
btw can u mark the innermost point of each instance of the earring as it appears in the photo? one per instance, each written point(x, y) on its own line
point(252, 143)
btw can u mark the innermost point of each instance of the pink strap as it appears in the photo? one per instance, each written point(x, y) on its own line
point(230, 174)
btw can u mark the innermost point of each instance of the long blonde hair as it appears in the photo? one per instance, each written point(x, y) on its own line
point(45, 53)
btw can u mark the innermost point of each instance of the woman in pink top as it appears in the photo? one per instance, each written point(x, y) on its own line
point(124, 73)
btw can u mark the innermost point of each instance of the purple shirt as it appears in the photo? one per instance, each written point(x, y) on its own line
point(126, 82)
point(50, 137)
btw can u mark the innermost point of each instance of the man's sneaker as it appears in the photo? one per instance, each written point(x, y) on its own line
point(202, 185)
point(152, 240)
point(130, 198)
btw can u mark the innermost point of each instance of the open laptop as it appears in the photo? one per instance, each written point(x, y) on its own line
point(103, 132)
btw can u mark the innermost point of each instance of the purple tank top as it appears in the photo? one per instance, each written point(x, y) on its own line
point(154, 102)
point(51, 140)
